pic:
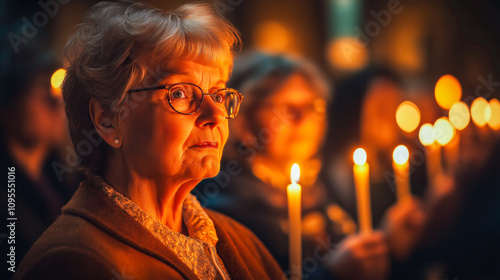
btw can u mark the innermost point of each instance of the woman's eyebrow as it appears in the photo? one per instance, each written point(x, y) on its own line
point(168, 73)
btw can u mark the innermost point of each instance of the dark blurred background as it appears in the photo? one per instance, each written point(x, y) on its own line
point(421, 39)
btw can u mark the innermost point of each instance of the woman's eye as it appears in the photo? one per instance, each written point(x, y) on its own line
point(219, 98)
point(178, 94)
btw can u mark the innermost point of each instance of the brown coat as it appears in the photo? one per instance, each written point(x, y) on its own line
point(96, 239)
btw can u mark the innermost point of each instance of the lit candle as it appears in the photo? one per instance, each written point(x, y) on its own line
point(362, 184)
point(444, 132)
point(401, 169)
point(294, 216)
point(434, 165)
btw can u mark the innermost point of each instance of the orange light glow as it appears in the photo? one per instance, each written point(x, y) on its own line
point(56, 81)
point(272, 36)
point(426, 134)
point(408, 116)
point(480, 111)
point(494, 122)
point(347, 53)
point(57, 78)
point(295, 173)
point(443, 131)
point(448, 91)
point(459, 115)
point(401, 155)
point(359, 156)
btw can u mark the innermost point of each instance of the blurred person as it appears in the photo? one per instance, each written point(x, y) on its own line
point(32, 133)
point(460, 237)
point(283, 121)
point(159, 133)
point(362, 114)
point(471, 243)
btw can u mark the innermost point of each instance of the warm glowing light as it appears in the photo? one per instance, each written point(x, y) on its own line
point(426, 134)
point(272, 36)
point(57, 78)
point(443, 131)
point(347, 53)
point(401, 154)
point(494, 121)
point(408, 116)
point(459, 115)
point(294, 217)
point(359, 156)
point(448, 91)
point(295, 173)
point(480, 111)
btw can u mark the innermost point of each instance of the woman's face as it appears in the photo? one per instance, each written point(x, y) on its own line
point(292, 122)
point(157, 141)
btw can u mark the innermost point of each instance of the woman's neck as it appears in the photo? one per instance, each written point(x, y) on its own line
point(162, 197)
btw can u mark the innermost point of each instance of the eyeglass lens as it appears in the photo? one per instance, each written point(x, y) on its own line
point(187, 98)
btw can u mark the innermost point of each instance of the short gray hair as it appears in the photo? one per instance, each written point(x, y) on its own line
point(116, 43)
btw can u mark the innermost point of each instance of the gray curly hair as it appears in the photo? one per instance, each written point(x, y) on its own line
point(116, 43)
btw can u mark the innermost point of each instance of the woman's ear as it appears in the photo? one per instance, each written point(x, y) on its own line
point(104, 124)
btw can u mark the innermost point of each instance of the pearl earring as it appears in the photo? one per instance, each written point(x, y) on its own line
point(116, 141)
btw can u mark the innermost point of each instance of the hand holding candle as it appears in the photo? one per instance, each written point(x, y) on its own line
point(362, 184)
point(294, 216)
point(401, 169)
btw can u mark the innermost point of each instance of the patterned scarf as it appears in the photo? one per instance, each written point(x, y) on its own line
point(194, 249)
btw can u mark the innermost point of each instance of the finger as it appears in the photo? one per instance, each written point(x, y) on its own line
point(373, 251)
point(372, 239)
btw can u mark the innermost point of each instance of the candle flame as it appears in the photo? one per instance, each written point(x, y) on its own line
point(443, 131)
point(426, 134)
point(401, 154)
point(408, 116)
point(480, 111)
point(494, 121)
point(295, 173)
point(447, 91)
point(359, 156)
point(459, 115)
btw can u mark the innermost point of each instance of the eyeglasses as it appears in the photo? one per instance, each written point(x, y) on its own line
point(186, 98)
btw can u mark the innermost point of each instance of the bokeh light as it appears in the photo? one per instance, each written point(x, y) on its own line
point(56, 81)
point(459, 115)
point(494, 122)
point(443, 131)
point(408, 116)
point(480, 111)
point(359, 156)
point(347, 53)
point(57, 78)
point(448, 91)
point(401, 154)
point(272, 36)
point(426, 134)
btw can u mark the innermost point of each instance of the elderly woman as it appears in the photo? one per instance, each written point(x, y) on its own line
point(148, 111)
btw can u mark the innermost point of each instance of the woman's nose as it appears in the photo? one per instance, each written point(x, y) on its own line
point(211, 114)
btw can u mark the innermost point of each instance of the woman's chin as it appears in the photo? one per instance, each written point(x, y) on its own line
point(208, 167)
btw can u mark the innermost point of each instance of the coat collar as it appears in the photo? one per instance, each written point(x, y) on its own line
point(91, 204)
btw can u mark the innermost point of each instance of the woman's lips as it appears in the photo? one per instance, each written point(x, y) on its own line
point(206, 144)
